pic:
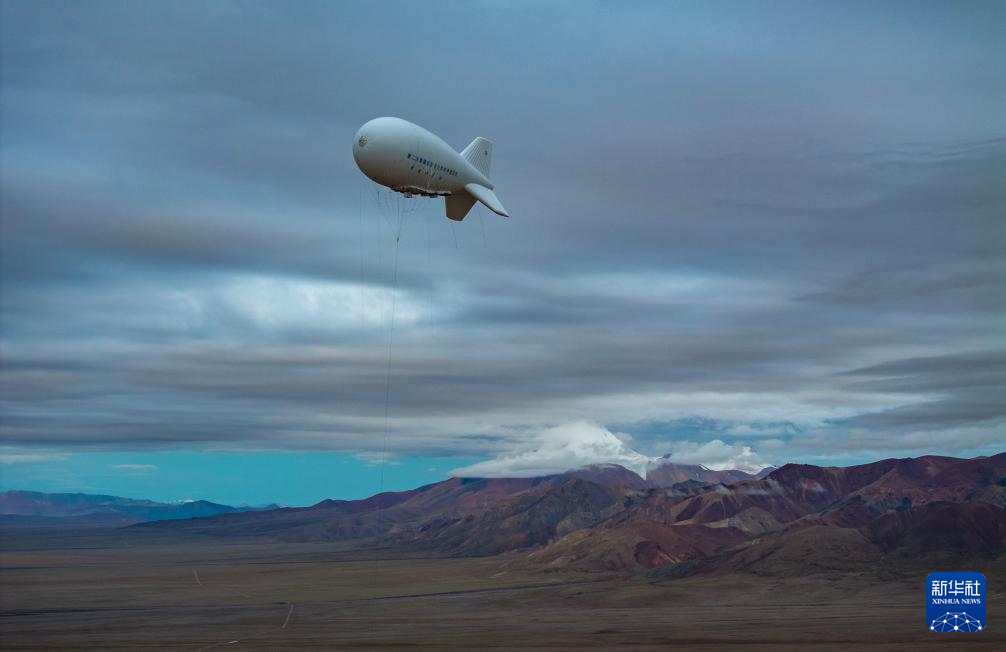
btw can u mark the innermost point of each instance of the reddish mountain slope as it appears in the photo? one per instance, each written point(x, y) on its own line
point(402, 516)
point(802, 551)
point(797, 490)
point(947, 528)
point(919, 537)
point(632, 544)
point(802, 518)
point(531, 518)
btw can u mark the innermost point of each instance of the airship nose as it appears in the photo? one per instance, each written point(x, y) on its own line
point(374, 150)
point(378, 149)
point(360, 142)
point(365, 152)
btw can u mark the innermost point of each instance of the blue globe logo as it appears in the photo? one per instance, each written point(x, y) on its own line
point(956, 622)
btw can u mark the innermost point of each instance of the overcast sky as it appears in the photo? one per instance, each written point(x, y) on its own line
point(742, 232)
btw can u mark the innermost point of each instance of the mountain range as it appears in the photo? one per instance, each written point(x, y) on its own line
point(37, 507)
point(679, 518)
point(797, 518)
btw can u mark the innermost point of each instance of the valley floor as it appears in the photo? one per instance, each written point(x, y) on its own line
point(124, 589)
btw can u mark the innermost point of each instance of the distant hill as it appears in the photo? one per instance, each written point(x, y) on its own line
point(33, 506)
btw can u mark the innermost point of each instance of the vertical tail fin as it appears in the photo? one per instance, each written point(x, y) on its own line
point(458, 205)
point(480, 154)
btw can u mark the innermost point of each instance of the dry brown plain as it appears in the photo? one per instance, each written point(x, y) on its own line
point(128, 590)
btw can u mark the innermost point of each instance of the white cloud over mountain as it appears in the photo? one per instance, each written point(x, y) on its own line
point(717, 455)
point(582, 443)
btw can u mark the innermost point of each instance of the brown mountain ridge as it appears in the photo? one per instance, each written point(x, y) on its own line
point(605, 518)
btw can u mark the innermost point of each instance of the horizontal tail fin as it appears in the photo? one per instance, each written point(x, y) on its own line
point(487, 197)
point(480, 154)
point(460, 203)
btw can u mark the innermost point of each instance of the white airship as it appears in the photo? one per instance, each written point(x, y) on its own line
point(413, 161)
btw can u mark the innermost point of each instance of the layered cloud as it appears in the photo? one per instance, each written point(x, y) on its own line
point(190, 259)
point(29, 458)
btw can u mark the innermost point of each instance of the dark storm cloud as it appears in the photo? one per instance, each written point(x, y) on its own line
point(725, 214)
point(967, 387)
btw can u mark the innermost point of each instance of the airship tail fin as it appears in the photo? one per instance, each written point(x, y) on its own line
point(480, 154)
point(487, 197)
point(460, 203)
